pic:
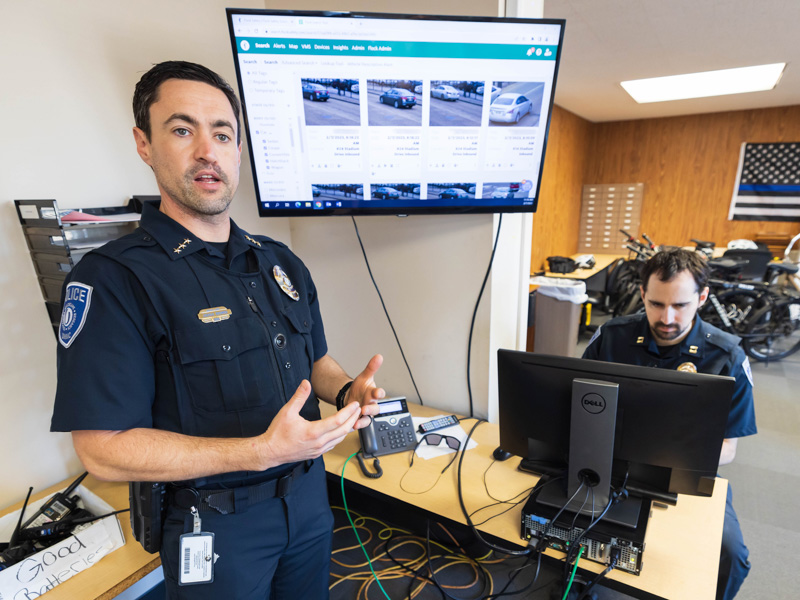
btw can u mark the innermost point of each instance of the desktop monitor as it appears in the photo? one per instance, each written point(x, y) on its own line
point(665, 437)
point(362, 113)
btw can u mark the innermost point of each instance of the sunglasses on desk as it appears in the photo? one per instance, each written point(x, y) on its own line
point(434, 439)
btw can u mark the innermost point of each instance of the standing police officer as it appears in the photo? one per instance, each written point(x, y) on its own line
point(672, 336)
point(193, 353)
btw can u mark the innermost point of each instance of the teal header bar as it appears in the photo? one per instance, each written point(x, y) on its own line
point(251, 45)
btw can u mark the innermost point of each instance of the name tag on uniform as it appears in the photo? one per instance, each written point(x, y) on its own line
point(196, 560)
point(214, 315)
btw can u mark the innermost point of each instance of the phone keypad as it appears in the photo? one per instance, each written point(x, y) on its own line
point(399, 436)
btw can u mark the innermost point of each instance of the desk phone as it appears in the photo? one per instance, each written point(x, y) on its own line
point(390, 431)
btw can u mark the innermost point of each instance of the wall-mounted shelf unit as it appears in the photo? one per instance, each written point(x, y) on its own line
point(58, 239)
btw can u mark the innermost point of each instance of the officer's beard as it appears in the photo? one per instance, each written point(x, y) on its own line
point(667, 333)
point(182, 190)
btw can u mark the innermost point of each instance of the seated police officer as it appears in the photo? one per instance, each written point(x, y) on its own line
point(672, 336)
point(193, 353)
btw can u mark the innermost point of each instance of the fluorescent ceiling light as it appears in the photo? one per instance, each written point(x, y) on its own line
point(702, 85)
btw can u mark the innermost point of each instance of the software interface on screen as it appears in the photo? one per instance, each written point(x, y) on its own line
point(362, 111)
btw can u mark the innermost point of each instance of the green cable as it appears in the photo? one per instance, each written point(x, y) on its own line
point(353, 525)
point(571, 577)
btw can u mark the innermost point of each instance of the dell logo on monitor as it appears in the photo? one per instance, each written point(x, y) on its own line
point(593, 403)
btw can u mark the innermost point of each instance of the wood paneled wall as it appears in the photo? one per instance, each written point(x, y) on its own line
point(688, 165)
point(555, 222)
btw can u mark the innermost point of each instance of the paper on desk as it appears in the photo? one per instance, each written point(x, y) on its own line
point(426, 451)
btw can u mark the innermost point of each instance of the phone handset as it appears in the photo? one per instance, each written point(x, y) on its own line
point(369, 442)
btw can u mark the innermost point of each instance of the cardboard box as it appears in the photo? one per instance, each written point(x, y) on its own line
point(43, 571)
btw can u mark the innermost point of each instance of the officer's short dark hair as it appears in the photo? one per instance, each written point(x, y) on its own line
point(146, 92)
point(668, 263)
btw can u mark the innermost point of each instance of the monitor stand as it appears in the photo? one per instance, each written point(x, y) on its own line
point(591, 455)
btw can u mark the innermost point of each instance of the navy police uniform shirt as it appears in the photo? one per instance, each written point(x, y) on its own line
point(162, 330)
point(629, 340)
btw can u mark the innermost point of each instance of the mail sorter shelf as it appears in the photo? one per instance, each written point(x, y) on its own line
point(605, 209)
point(57, 245)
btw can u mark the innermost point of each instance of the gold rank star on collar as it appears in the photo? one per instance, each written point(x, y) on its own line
point(252, 241)
point(182, 245)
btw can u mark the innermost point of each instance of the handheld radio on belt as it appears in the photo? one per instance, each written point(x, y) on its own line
point(147, 510)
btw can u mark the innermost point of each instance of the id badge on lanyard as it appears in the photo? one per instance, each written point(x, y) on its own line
point(197, 558)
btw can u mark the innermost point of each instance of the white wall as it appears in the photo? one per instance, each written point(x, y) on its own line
point(429, 270)
point(429, 279)
point(69, 69)
point(68, 72)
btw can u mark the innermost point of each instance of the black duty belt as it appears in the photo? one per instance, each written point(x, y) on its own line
point(236, 500)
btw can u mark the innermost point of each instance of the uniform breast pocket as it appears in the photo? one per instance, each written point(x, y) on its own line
point(301, 346)
point(227, 365)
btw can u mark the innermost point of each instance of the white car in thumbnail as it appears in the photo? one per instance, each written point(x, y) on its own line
point(502, 193)
point(445, 92)
point(509, 108)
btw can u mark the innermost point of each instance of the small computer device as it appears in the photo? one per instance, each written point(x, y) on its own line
point(392, 430)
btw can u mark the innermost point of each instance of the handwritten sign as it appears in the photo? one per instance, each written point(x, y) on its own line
point(40, 573)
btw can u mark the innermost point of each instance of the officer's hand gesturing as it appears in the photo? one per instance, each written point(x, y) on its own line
point(366, 392)
point(291, 438)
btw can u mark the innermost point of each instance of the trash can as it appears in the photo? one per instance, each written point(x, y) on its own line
point(557, 314)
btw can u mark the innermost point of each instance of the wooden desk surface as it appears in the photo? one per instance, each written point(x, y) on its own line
point(116, 571)
point(681, 555)
point(601, 261)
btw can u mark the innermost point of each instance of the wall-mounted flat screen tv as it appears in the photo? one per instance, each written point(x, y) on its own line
point(361, 113)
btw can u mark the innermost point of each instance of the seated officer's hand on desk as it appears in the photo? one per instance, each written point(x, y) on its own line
point(292, 438)
point(366, 392)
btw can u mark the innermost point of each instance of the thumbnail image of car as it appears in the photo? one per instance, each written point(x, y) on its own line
point(453, 194)
point(330, 102)
point(399, 98)
point(445, 92)
point(502, 193)
point(508, 108)
point(503, 190)
point(386, 193)
point(454, 104)
point(314, 91)
point(332, 195)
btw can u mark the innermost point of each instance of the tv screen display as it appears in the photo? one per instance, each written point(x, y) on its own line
point(359, 113)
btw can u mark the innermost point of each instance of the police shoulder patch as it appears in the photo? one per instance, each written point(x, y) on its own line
point(595, 336)
point(77, 299)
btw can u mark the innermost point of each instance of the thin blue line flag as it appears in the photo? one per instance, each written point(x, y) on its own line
point(767, 183)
